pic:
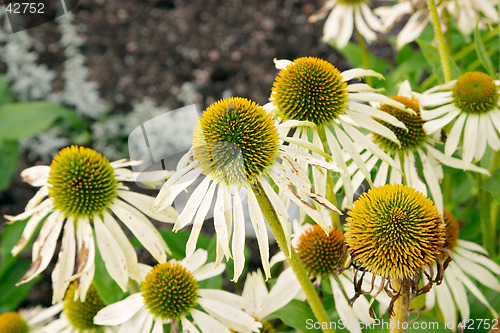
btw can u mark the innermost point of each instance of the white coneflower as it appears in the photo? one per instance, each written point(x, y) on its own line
point(344, 17)
point(170, 293)
point(416, 148)
point(236, 143)
point(470, 264)
point(81, 191)
point(28, 320)
point(465, 13)
point(471, 104)
point(313, 90)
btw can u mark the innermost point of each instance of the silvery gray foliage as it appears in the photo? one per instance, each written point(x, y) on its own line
point(28, 80)
point(78, 91)
point(44, 145)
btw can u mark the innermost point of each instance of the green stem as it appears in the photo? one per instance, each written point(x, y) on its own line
point(402, 162)
point(484, 211)
point(401, 307)
point(297, 267)
point(495, 164)
point(364, 55)
point(443, 54)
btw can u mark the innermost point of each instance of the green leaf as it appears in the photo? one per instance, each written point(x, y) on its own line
point(18, 120)
point(9, 149)
point(298, 315)
point(12, 296)
point(5, 94)
point(492, 185)
point(482, 54)
point(431, 55)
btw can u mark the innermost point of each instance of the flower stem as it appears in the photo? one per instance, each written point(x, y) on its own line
point(400, 309)
point(297, 267)
point(485, 201)
point(364, 55)
point(443, 54)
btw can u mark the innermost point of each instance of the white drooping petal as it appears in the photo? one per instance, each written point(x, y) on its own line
point(470, 137)
point(259, 226)
point(459, 293)
point(238, 242)
point(44, 245)
point(286, 288)
point(145, 204)
point(432, 180)
point(111, 253)
point(142, 228)
point(125, 246)
point(445, 302)
point(208, 324)
point(478, 258)
point(195, 261)
point(200, 218)
point(281, 63)
point(345, 312)
point(478, 272)
point(220, 222)
point(41, 194)
point(192, 205)
point(65, 263)
point(239, 320)
point(36, 176)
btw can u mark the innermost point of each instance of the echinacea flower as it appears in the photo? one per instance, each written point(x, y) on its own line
point(313, 90)
point(395, 232)
point(78, 316)
point(471, 105)
point(261, 302)
point(344, 17)
point(170, 292)
point(323, 256)
point(416, 148)
point(81, 189)
point(28, 320)
point(470, 264)
point(236, 143)
point(465, 13)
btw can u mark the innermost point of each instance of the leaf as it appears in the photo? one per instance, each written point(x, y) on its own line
point(9, 150)
point(492, 185)
point(482, 53)
point(12, 296)
point(431, 55)
point(5, 94)
point(298, 315)
point(18, 120)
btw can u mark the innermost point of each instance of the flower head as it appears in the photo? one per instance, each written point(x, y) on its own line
point(471, 104)
point(314, 91)
point(235, 141)
point(28, 320)
point(170, 291)
point(82, 191)
point(394, 231)
point(236, 144)
point(81, 314)
point(13, 322)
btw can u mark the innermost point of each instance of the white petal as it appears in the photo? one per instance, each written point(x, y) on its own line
point(455, 134)
point(492, 135)
point(208, 324)
point(362, 27)
point(411, 173)
point(481, 137)
point(432, 180)
point(208, 270)
point(239, 320)
point(124, 162)
point(281, 63)
point(224, 297)
point(361, 307)
point(125, 246)
point(120, 312)
point(358, 73)
point(145, 204)
point(478, 258)
point(84, 282)
point(452, 161)
point(65, 263)
point(435, 125)
point(395, 176)
point(382, 173)
point(195, 261)
point(438, 112)
point(345, 312)
point(470, 137)
point(411, 30)
point(478, 272)
point(445, 302)
point(44, 245)
point(259, 226)
point(112, 255)
point(41, 194)
point(192, 205)
point(220, 222)
point(459, 294)
point(373, 126)
point(370, 18)
point(472, 246)
point(369, 111)
point(281, 212)
point(142, 228)
point(85, 246)
point(347, 27)
point(187, 327)
point(238, 242)
point(200, 218)
point(36, 176)
point(286, 288)
point(333, 24)
point(37, 214)
point(175, 185)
